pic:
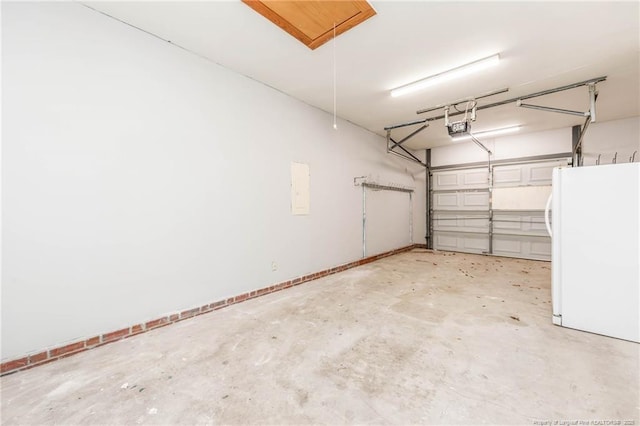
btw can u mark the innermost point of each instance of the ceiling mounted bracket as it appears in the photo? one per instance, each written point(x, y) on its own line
point(392, 144)
point(552, 109)
point(591, 118)
point(591, 113)
point(480, 144)
point(461, 101)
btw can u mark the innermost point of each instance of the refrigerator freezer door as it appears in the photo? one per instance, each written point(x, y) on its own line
point(556, 265)
point(596, 256)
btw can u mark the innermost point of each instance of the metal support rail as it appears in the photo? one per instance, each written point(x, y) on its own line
point(487, 217)
point(386, 187)
point(451, 191)
point(530, 96)
point(428, 201)
point(462, 218)
point(514, 234)
point(576, 151)
point(499, 103)
point(364, 221)
point(391, 144)
point(490, 179)
point(551, 109)
point(463, 232)
point(411, 217)
point(521, 160)
point(461, 101)
point(466, 211)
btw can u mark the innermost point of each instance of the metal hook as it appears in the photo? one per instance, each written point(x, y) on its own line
point(598, 160)
point(615, 158)
point(633, 157)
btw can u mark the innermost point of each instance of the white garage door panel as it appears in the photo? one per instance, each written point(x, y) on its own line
point(525, 174)
point(506, 175)
point(467, 243)
point(541, 248)
point(529, 223)
point(461, 179)
point(539, 226)
point(475, 199)
point(506, 222)
point(477, 179)
point(541, 174)
point(475, 244)
point(446, 181)
point(521, 198)
point(461, 222)
point(523, 247)
point(448, 201)
point(507, 246)
point(461, 201)
point(445, 241)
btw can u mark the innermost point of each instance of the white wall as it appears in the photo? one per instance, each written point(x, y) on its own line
point(505, 147)
point(607, 138)
point(138, 179)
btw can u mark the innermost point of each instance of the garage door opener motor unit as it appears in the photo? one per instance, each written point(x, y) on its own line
point(461, 127)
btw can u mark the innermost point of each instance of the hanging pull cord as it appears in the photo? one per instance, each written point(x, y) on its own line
point(335, 121)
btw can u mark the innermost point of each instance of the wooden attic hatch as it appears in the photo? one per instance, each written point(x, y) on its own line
point(312, 21)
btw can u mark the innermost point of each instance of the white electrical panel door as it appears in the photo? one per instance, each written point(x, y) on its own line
point(300, 189)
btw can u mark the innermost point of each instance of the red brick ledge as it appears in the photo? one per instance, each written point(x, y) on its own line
point(53, 354)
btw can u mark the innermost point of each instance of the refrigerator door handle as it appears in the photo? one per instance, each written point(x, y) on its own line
point(547, 220)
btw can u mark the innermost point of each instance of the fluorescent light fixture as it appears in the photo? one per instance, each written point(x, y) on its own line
point(446, 75)
point(488, 133)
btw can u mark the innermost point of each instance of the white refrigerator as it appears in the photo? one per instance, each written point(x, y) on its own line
point(595, 238)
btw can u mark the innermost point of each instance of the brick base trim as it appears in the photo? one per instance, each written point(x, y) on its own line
point(59, 352)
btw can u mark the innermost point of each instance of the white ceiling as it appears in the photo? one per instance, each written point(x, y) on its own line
point(542, 45)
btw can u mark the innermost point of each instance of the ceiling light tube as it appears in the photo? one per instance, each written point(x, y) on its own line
point(446, 75)
point(488, 133)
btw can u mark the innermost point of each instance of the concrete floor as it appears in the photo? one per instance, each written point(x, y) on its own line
point(417, 338)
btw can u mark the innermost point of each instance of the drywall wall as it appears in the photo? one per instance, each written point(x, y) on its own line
point(396, 220)
point(505, 147)
point(139, 179)
point(610, 137)
point(602, 138)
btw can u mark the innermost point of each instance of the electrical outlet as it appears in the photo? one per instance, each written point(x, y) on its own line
point(274, 266)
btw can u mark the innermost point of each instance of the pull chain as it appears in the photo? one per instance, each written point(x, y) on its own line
point(335, 121)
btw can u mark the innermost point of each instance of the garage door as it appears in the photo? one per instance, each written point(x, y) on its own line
point(509, 223)
point(460, 200)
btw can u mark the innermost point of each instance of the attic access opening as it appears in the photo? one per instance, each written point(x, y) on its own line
point(312, 21)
